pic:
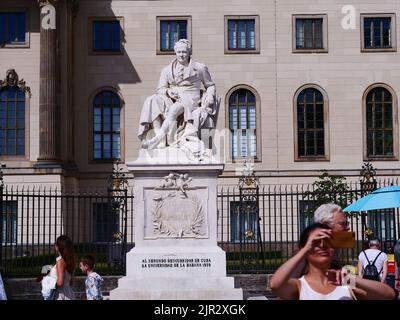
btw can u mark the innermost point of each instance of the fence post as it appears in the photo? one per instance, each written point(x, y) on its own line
point(368, 184)
point(118, 195)
point(248, 206)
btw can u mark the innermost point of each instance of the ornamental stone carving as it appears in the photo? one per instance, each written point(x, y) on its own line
point(177, 181)
point(178, 217)
point(46, 2)
point(177, 210)
point(12, 80)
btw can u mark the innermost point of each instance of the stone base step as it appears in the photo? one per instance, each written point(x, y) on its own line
point(197, 294)
point(159, 283)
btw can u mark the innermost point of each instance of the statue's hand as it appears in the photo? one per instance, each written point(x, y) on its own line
point(208, 101)
point(172, 93)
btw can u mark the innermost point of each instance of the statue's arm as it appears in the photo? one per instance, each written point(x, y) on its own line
point(163, 84)
point(209, 95)
point(207, 82)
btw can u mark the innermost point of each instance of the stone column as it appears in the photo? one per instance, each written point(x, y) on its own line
point(49, 119)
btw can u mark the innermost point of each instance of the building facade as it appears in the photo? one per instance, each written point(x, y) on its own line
point(304, 86)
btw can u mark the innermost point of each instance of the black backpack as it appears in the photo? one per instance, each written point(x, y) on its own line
point(370, 270)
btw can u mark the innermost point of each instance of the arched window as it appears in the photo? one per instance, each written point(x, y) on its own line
point(243, 124)
point(379, 121)
point(12, 116)
point(311, 122)
point(106, 126)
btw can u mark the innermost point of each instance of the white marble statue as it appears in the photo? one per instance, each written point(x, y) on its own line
point(178, 110)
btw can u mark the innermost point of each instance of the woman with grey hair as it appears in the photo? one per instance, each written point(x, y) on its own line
point(332, 215)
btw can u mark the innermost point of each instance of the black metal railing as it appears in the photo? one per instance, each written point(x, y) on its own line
point(257, 237)
point(96, 222)
point(283, 213)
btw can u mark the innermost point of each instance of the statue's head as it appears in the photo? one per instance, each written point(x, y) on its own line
point(185, 43)
point(183, 50)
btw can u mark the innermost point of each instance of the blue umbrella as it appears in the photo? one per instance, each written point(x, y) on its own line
point(383, 198)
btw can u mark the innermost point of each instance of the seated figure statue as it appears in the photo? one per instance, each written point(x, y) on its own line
point(178, 110)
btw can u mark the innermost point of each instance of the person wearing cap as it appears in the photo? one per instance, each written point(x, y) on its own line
point(375, 256)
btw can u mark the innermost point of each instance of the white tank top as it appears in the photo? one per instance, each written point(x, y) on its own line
point(307, 293)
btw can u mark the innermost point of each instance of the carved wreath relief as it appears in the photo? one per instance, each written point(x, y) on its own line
point(177, 211)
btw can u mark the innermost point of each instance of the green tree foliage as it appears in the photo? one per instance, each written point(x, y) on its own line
point(328, 189)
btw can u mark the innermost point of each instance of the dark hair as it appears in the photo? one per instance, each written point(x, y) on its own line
point(88, 260)
point(306, 233)
point(66, 249)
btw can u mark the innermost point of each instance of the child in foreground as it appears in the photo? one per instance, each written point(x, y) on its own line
point(93, 280)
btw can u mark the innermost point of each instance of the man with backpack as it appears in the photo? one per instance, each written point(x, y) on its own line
point(373, 263)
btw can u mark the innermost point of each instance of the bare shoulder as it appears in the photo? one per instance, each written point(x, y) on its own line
point(295, 282)
point(60, 262)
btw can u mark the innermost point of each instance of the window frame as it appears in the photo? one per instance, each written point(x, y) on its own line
point(324, 17)
point(25, 10)
point(20, 84)
point(91, 159)
point(395, 156)
point(258, 157)
point(297, 157)
point(91, 21)
point(256, 49)
point(393, 33)
point(171, 18)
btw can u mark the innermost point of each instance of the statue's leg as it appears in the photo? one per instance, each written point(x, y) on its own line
point(173, 112)
point(157, 124)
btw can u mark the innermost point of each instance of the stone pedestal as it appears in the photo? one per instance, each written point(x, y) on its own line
point(176, 254)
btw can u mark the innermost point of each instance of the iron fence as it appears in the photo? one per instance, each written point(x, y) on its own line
point(259, 231)
point(99, 223)
point(259, 238)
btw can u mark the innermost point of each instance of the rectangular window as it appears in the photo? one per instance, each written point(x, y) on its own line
point(242, 34)
point(310, 33)
point(9, 221)
point(170, 30)
point(105, 223)
point(105, 35)
point(378, 32)
point(12, 28)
